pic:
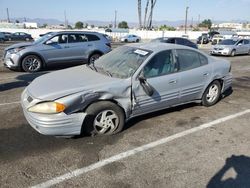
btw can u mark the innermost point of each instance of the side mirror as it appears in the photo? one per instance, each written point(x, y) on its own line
point(149, 90)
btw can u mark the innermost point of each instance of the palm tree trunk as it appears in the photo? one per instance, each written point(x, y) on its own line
point(139, 13)
point(145, 15)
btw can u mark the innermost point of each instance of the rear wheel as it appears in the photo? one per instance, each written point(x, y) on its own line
point(137, 40)
point(212, 94)
point(94, 57)
point(103, 118)
point(125, 40)
point(31, 63)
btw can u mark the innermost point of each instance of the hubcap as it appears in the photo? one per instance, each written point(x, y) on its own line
point(106, 122)
point(212, 93)
point(32, 64)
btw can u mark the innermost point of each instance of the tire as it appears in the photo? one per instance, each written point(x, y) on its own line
point(31, 63)
point(126, 40)
point(249, 52)
point(137, 40)
point(94, 57)
point(233, 53)
point(103, 118)
point(215, 92)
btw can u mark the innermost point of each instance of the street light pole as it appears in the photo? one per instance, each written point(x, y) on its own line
point(115, 18)
point(186, 20)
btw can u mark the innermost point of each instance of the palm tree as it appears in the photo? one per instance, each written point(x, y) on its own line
point(145, 15)
point(139, 12)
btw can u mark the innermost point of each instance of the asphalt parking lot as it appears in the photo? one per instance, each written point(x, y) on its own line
point(187, 146)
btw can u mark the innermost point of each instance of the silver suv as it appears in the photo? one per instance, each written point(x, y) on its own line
point(59, 47)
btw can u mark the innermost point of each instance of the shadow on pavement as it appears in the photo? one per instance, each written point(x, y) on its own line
point(21, 81)
point(241, 166)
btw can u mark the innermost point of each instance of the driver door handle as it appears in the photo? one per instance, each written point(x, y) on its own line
point(172, 82)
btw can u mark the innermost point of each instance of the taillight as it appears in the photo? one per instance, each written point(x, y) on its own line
point(108, 44)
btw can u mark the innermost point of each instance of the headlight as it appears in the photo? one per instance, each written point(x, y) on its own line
point(47, 108)
point(15, 50)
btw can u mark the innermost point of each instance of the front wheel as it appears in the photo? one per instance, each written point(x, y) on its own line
point(103, 118)
point(31, 63)
point(212, 94)
point(233, 53)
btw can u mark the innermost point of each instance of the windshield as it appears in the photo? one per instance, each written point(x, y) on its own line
point(122, 62)
point(42, 39)
point(228, 42)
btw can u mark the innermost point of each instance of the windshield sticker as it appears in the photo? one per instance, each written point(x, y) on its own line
point(141, 52)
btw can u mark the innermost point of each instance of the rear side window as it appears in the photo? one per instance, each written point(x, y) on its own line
point(246, 41)
point(189, 59)
point(92, 37)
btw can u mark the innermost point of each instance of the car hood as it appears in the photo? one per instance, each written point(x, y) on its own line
point(19, 45)
point(223, 46)
point(69, 81)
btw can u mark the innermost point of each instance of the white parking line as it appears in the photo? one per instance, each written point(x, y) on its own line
point(10, 103)
point(134, 151)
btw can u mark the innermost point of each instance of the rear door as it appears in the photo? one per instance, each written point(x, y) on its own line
point(195, 74)
point(161, 73)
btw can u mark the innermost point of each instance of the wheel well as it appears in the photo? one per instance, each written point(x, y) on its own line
point(95, 52)
point(109, 100)
point(25, 55)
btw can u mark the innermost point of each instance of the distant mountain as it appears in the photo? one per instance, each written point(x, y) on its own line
point(176, 23)
point(40, 21)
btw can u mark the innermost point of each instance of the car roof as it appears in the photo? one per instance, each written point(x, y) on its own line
point(76, 32)
point(157, 47)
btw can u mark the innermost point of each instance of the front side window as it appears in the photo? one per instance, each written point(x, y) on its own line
point(61, 39)
point(188, 59)
point(161, 64)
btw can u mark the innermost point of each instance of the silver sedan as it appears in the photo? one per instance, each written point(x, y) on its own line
point(231, 47)
point(129, 81)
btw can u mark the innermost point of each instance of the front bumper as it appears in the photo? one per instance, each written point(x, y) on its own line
point(220, 52)
point(60, 124)
point(11, 60)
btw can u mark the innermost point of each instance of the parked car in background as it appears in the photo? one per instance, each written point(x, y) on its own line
point(129, 81)
point(202, 40)
point(231, 47)
point(176, 40)
point(60, 47)
point(2, 37)
point(7, 35)
point(20, 36)
point(130, 38)
point(216, 39)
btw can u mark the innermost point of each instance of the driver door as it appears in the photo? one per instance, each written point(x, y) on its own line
point(161, 74)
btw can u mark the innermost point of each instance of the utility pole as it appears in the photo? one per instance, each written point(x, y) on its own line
point(186, 20)
point(115, 18)
point(8, 16)
point(65, 20)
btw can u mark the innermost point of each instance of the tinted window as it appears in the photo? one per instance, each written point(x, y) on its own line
point(188, 59)
point(171, 40)
point(161, 64)
point(91, 37)
point(180, 41)
point(72, 38)
point(246, 41)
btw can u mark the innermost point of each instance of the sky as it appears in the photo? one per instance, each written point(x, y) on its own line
point(171, 10)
